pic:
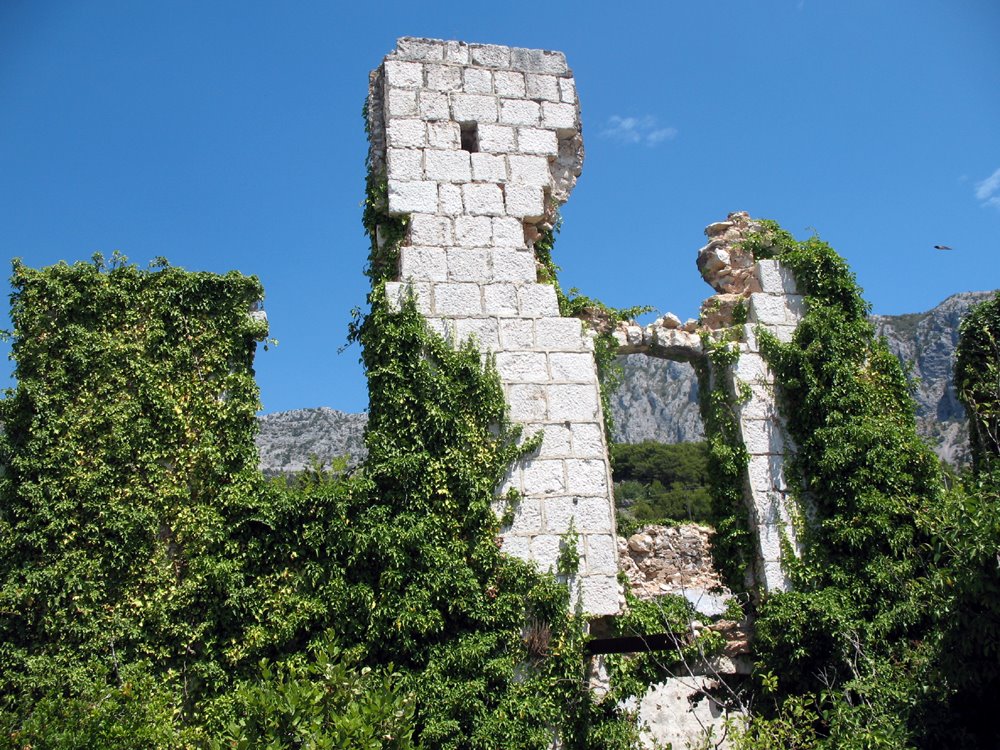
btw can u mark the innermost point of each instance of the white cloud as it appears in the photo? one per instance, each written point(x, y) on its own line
point(988, 191)
point(643, 130)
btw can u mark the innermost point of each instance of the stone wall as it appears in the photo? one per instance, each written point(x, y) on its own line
point(479, 145)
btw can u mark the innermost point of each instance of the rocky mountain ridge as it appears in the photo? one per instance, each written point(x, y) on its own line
point(658, 399)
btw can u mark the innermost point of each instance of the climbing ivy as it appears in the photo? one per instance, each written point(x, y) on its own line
point(977, 379)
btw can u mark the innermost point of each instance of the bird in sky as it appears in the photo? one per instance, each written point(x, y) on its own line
point(942, 247)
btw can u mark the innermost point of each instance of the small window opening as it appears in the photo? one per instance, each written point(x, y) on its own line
point(470, 137)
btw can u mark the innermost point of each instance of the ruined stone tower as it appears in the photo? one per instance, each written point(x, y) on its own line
point(479, 145)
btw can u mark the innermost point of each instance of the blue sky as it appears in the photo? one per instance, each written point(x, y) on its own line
point(228, 135)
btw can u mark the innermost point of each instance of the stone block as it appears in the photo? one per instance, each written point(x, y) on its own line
point(477, 81)
point(572, 367)
point(559, 334)
point(751, 368)
point(433, 105)
point(527, 517)
point(474, 231)
point(525, 201)
point(456, 52)
point(443, 135)
point(559, 117)
point(500, 299)
point(517, 546)
point(457, 299)
point(509, 83)
point(489, 168)
point(515, 333)
point(769, 542)
point(602, 554)
point(587, 476)
point(426, 229)
point(519, 112)
point(443, 77)
point(761, 436)
point(406, 134)
point(760, 405)
point(484, 330)
point(557, 441)
point(599, 595)
point(508, 232)
point(473, 108)
point(412, 197)
point(397, 293)
point(537, 141)
point(404, 74)
point(545, 552)
point(527, 402)
point(777, 310)
point(405, 164)
point(401, 102)
point(496, 139)
point(571, 402)
point(559, 512)
point(775, 578)
point(530, 170)
point(468, 264)
point(538, 61)
point(513, 265)
point(490, 55)
point(588, 440)
point(536, 300)
point(543, 476)
point(775, 278)
point(450, 200)
point(765, 473)
point(423, 263)
point(412, 48)
point(447, 166)
point(542, 87)
point(482, 199)
point(567, 90)
point(522, 367)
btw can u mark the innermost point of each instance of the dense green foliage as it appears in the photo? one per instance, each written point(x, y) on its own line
point(977, 379)
point(660, 482)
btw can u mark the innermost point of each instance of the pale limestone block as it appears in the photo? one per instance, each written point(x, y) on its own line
point(750, 343)
point(401, 102)
point(412, 197)
point(772, 507)
point(513, 265)
point(442, 327)
point(751, 368)
point(490, 55)
point(762, 436)
point(559, 512)
point(571, 402)
point(508, 232)
point(602, 554)
point(433, 105)
point(516, 333)
point(527, 517)
point(443, 77)
point(765, 473)
point(633, 335)
point(496, 139)
point(522, 367)
point(450, 200)
point(767, 309)
point(760, 405)
point(477, 81)
point(559, 117)
point(405, 164)
point(406, 134)
point(473, 108)
point(525, 201)
point(587, 476)
point(412, 48)
point(517, 546)
point(468, 264)
point(775, 578)
point(527, 402)
point(545, 552)
point(488, 168)
point(456, 52)
point(599, 595)
point(571, 366)
point(443, 134)
point(784, 334)
point(482, 199)
point(447, 166)
point(509, 83)
point(559, 334)
point(511, 481)
point(500, 299)
point(473, 231)
point(537, 141)
point(426, 229)
point(530, 170)
point(538, 61)
point(424, 263)
point(775, 278)
point(519, 112)
point(541, 87)
point(588, 440)
point(543, 476)
point(457, 299)
point(556, 441)
point(484, 330)
point(404, 74)
point(769, 542)
point(537, 300)
point(594, 513)
point(567, 90)
point(398, 292)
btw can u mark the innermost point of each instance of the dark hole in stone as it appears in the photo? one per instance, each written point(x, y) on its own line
point(470, 137)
